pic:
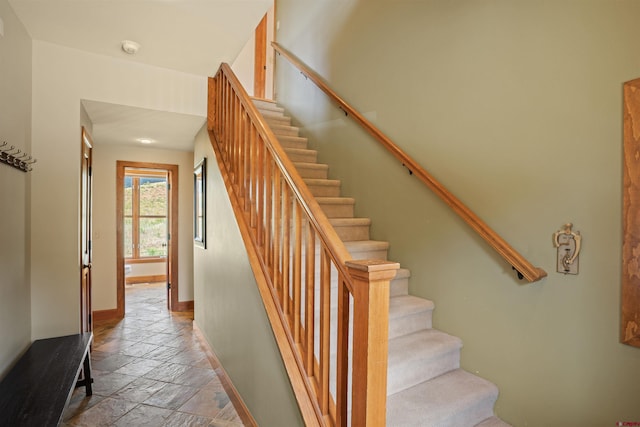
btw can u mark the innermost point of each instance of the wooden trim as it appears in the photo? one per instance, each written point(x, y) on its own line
point(225, 380)
point(524, 267)
point(184, 306)
point(172, 178)
point(145, 279)
point(155, 260)
point(100, 315)
point(630, 298)
point(260, 59)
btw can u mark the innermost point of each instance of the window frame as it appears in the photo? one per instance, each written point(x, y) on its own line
point(135, 216)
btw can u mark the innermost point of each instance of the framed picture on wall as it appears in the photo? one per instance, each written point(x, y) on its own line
point(200, 204)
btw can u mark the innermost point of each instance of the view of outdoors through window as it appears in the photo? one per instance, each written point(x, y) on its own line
point(145, 214)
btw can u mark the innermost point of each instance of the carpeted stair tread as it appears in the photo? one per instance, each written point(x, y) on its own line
point(421, 356)
point(409, 314)
point(312, 170)
point(301, 155)
point(455, 399)
point(368, 249)
point(266, 104)
point(288, 141)
point(284, 130)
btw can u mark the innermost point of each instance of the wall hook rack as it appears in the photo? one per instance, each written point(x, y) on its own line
point(12, 156)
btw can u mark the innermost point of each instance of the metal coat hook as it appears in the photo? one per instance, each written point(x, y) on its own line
point(12, 156)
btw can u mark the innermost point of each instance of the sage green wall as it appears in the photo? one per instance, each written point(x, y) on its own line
point(517, 108)
point(229, 309)
point(15, 189)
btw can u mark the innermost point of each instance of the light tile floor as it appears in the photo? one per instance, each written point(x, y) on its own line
point(150, 370)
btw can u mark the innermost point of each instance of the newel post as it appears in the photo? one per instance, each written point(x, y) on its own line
point(370, 340)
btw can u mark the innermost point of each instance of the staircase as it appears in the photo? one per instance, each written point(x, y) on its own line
point(425, 385)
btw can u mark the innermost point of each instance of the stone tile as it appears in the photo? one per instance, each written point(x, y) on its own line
point(163, 353)
point(181, 419)
point(158, 338)
point(80, 402)
point(112, 362)
point(138, 349)
point(171, 396)
point(207, 402)
point(229, 413)
point(104, 413)
point(139, 390)
point(138, 367)
point(195, 377)
point(108, 384)
point(167, 372)
point(144, 416)
point(115, 345)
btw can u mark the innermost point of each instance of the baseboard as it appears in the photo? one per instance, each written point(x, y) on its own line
point(100, 315)
point(234, 396)
point(184, 306)
point(145, 279)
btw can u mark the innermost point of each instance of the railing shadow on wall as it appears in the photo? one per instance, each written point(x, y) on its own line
point(524, 268)
point(304, 272)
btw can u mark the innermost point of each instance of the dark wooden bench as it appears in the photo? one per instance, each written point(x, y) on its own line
point(38, 388)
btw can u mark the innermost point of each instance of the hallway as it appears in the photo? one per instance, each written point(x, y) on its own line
point(150, 370)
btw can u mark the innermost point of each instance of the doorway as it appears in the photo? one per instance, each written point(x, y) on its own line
point(147, 228)
point(86, 321)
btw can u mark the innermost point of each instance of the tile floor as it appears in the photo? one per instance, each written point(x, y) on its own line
point(150, 370)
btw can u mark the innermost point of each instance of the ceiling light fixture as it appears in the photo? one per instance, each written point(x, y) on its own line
point(130, 47)
point(145, 140)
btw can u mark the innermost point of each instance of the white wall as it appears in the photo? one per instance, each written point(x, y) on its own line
point(517, 108)
point(104, 217)
point(15, 129)
point(62, 77)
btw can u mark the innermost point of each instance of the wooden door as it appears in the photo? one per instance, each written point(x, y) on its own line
point(86, 324)
point(260, 59)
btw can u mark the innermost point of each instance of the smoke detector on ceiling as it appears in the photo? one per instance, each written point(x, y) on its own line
point(130, 47)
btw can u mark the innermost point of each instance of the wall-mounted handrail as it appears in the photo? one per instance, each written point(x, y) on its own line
point(523, 267)
point(296, 255)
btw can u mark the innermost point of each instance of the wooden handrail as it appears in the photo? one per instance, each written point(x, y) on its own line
point(517, 261)
point(296, 254)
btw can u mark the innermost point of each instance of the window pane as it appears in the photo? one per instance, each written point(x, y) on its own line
point(128, 195)
point(153, 196)
point(128, 238)
point(153, 237)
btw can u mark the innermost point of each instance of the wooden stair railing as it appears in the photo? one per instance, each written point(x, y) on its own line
point(301, 267)
point(523, 267)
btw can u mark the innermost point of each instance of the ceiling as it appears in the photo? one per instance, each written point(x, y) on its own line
point(191, 36)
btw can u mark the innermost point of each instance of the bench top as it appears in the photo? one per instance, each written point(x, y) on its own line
point(38, 388)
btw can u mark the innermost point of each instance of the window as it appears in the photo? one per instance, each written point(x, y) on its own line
point(145, 214)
